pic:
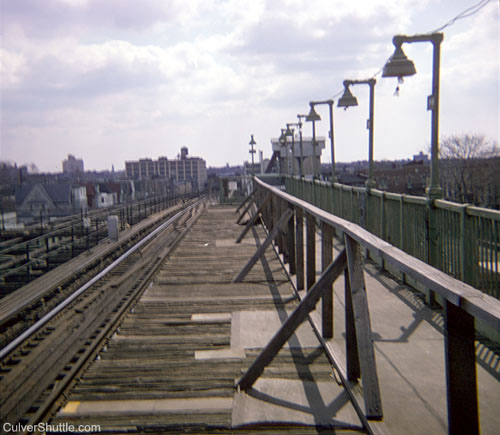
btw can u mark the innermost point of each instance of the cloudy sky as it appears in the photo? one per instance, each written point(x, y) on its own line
point(117, 80)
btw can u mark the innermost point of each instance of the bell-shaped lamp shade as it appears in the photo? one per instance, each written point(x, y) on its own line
point(252, 140)
point(313, 115)
point(282, 138)
point(347, 99)
point(398, 65)
point(288, 132)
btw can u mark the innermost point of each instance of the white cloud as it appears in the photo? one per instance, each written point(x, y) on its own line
point(12, 67)
point(74, 3)
point(474, 52)
point(110, 81)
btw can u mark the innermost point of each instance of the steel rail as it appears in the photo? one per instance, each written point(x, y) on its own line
point(105, 332)
point(61, 247)
point(67, 222)
point(12, 305)
point(73, 221)
point(40, 323)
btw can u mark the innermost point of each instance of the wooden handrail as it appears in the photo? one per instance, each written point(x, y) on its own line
point(472, 301)
point(462, 304)
point(458, 239)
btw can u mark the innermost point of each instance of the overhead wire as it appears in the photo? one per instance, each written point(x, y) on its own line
point(472, 10)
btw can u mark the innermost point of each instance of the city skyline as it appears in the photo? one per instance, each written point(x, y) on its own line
point(33, 169)
point(112, 82)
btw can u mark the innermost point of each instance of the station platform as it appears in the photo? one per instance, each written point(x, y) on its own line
point(173, 363)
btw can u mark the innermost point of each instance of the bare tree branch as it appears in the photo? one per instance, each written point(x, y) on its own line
point(470, 170)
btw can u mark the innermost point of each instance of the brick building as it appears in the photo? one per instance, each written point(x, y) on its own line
point(72, 165)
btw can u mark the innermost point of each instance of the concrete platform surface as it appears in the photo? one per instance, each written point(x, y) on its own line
point(409, 350)
point(294, 402)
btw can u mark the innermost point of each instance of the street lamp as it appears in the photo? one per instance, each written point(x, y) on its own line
point(299, 124)
point(282, 138)
point(289, 133)
point(313, 117)
point(348, 100)
point(332, 148)
point(400, 66)
point(252, 152)
point(282, 143)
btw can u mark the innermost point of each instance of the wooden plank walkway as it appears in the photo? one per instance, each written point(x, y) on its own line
point(173, 363)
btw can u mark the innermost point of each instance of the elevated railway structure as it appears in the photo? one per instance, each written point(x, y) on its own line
point(28, 253)
point(41, 359)
point(269, 320)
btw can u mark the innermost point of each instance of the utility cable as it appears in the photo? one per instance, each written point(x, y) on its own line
point(470, 11)
point(474, 9)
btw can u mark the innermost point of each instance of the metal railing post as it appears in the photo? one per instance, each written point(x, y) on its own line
point(401, 223)
point(433, 244)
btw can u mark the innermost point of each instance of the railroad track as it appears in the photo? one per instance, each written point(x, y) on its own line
point(37, 366)
point(22, 308)
point(40, 248)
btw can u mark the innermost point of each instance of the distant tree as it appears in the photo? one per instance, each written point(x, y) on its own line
point(469, 169)
point(468, 146)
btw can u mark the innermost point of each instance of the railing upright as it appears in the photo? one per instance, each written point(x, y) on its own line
point(463, 244)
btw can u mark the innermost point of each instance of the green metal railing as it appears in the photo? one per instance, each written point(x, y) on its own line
point(467, 242)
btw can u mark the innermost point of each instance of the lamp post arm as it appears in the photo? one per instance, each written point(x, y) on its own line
point(315, 103)
point(370, 82)
point(435, 38)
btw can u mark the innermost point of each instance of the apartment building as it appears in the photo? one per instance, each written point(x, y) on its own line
point(183, 169)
